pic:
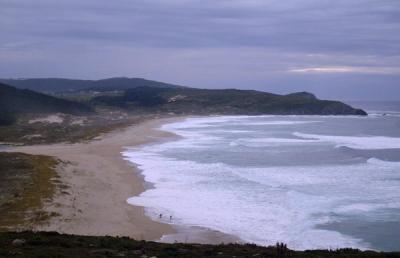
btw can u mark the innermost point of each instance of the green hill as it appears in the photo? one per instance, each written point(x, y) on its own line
point(51, 85)
point(228, 101)
point(136, 94)
point(15, 102)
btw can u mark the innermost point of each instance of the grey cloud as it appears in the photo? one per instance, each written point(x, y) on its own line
point(316, 26)
point(207, 43)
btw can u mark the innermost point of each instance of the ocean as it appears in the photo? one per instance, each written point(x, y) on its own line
point(308, 181)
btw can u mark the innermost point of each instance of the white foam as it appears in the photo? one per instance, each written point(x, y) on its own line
point(203, 122)
point(355, 142)
point(283, 122)
point(385, 163)
point(265, 142)
point(262, 205)
point(229, 131)
point(279, 206)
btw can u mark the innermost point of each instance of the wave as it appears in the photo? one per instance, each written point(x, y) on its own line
point(380, 115)
point(261, 205)
point(205, 122)
point(355, 142)
point(380, 162)
point(265, 142)
point(283, 122)
point(229, 131)
point(264, 204)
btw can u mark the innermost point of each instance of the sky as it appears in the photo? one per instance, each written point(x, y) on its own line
point(337, 49)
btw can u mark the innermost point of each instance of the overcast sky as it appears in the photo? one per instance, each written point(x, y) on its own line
point(338, 49)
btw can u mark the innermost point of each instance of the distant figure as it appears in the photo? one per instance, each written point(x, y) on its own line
point(160, 215)
point(170, 218)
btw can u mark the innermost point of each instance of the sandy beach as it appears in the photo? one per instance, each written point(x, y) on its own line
point(99, 181)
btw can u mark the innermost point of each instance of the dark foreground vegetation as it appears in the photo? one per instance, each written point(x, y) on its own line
point(50, 244)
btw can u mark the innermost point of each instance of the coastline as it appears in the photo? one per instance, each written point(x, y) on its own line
point(93, 201)
point(98, 181)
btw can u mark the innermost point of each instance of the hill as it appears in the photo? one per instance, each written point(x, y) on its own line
point(228, 101)
point(15, 102)
point(52, 85)
point(136, 94)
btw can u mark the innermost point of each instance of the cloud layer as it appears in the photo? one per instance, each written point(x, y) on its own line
point(265, 44)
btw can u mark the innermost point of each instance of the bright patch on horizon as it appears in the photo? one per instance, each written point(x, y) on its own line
point(348, 69)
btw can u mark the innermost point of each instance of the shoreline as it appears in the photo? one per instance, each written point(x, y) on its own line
point(94, 202)
point(182, 233)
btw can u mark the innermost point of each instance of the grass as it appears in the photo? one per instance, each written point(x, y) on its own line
point(25, 185)
point(50, 244)
point(26, 133)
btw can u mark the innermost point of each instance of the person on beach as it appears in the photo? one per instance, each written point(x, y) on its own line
point(170, 218)
point(160, 215)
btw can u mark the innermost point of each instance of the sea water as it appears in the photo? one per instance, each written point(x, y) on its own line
point(309, 181)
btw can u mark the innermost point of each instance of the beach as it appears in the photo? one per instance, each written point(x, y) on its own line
point(209, 172)
point(98, 184)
